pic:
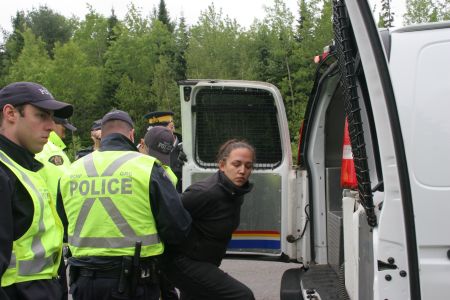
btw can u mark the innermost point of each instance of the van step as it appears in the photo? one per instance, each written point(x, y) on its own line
point(290, 284)
point(323, 279)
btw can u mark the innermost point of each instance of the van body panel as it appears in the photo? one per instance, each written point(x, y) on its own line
point(422, 88)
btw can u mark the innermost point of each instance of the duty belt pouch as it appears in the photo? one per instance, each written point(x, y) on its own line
point(74, 273)
point(125, 275)
point(149, 274)
point(154, 273)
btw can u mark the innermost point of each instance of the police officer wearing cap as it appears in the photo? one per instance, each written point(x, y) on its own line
point(121, 208)
point(96, 131)
point(177, 156)
point(55, 163)
point(30, 229)
point(53, 156)
point(158, 142)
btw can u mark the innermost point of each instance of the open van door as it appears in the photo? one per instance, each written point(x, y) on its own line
point(392, 87)
point(214, 111)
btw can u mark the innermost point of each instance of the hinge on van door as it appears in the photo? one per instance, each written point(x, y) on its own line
point(390, 265)
point(379, 187)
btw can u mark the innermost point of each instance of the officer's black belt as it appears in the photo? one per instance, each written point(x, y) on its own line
point(99, 273)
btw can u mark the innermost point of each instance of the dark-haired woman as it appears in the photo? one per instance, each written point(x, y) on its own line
point(215, 205)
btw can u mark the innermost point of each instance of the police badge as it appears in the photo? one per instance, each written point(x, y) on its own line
point(57, 160)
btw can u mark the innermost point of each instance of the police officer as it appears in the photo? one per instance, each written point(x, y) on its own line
point(115, 198)
point(55, 163)
point(30, 230)
point(53, 156)
point(96, 132)
point(158, 142)
point(177, 156)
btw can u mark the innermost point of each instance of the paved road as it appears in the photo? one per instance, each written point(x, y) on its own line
point(263, 277)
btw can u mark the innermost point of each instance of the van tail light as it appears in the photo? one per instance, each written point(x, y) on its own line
point(348, 174)
point(326, 51)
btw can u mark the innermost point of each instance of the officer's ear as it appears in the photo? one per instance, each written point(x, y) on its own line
point(142, 147)
point(8, 113)
point(131, 135)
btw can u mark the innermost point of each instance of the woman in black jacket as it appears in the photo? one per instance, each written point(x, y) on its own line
point(215, 205)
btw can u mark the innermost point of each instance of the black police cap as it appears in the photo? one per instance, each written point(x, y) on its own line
point(118, 115)
point(18, 93)
point(64, 122)
point(96, 125)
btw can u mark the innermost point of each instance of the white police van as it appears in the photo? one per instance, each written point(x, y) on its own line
point(386, 237)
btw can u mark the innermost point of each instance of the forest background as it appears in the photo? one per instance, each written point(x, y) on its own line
point(100, 62)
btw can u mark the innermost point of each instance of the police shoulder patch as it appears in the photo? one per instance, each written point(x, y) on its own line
point(57, 160)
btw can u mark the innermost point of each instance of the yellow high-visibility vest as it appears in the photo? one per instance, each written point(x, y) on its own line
point(36, 254)
point(106, 200)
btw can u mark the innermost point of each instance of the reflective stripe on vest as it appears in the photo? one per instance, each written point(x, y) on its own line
point(39, 262)
point(129, 237)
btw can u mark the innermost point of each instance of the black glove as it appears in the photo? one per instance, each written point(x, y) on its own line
point(182, 157)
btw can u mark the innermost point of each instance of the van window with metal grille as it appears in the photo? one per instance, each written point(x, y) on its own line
point(242, 113)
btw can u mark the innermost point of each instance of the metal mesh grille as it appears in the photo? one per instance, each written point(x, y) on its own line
point(242, 113)
point(347, 52)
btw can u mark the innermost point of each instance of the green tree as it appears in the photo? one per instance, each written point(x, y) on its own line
point(213, 50)
point(442, 9)
point(259, 52)
point(92, 37)
point(386, 16)
point(108, 81)
point(420, 11)
point(445, 8)
point(314, 32)
point(130, 54)
point(134, 22)
point(280, 19)
point(163, 16)
point(50, 26)
point(112, 22)
point(71, 77)
point(13, 45)
point(15, 42)
point(164, 87)
point(3, 62)
point(32, 63)
point(134, 97)
point(181, 46)
point(134, 58)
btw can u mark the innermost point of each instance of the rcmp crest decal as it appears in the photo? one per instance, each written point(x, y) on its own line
point(57, 160)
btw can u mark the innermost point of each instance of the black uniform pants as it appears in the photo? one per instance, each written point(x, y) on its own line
point(35, 290)
point(168, 291)
point(96, 288)
point(204, 281)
